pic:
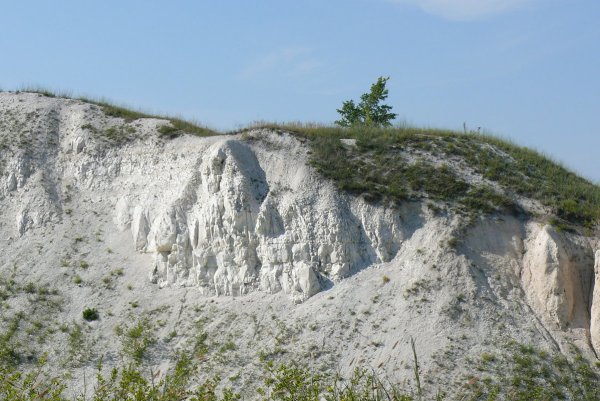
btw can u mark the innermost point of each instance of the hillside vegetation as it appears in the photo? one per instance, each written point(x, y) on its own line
point(177, 125)
point(397, 164)
point(521, 372)
point(143, 263)
point(409, 163)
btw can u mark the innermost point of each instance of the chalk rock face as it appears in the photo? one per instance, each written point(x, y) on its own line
point(122, 217)
point(595, 313)
point(557, 277)
point(78, 145)
point(139, 226)
point(237, 226)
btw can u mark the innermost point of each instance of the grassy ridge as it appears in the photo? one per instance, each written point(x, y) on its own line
point(177, 125)
point(377, 167)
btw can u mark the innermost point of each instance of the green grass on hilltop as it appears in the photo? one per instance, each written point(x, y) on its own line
point(177, 125)
point(397, 164)
point(377, 168)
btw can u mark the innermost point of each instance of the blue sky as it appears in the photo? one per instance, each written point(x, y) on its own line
point(528, 70)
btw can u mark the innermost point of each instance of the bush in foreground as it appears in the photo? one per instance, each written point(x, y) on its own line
point(519, 372)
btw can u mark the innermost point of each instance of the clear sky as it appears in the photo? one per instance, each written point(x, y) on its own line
point(528, 70)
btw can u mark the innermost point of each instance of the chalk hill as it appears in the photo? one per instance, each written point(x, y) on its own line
point(324, 246)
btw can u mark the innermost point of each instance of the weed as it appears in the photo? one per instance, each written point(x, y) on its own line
point(170, 336)
point(76, 343)
point(418, 287)
point(136, 339)
point(90, 314)
point(129, 115)
point(228, 346)
point(30, 288)
point(9, 355)
point(524, 372)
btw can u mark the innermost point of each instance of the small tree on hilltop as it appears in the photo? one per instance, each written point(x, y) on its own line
point(368, 112)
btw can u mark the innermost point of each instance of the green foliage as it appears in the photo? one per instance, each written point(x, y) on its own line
point(294, 382)
point(27, 322)
point(377, 169)
point(122, 133)
point(521, 373)
point(119, 134)
point(136, 339)
point(382, 167)
point(32, 386)
point(124, 384)
point(178, 126)
point(369, 112)
point(76, 338)
point(290, 382)
point(126, 114)
point(9, 355)
point(526, 373)
point(90, 314)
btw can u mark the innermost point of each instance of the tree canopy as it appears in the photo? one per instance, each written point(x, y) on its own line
point(369, 111)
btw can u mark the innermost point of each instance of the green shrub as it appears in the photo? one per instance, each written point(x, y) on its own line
point(90, 314)
point(136, 339)
point(368, 112)
point(520, 372)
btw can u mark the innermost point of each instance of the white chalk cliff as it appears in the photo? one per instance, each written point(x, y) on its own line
point(246, 216)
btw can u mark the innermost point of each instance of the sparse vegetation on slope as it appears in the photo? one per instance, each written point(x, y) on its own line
point(407, 163)
point(25, 325)
point(177, 125)
point(458, 303)
point(397, 164)
point(525, 372)
point(522, 372)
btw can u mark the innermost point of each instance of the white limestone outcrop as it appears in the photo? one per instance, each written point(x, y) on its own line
point(558, 277)
point(234, 228)
point(235, 214)
point(94, 216)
